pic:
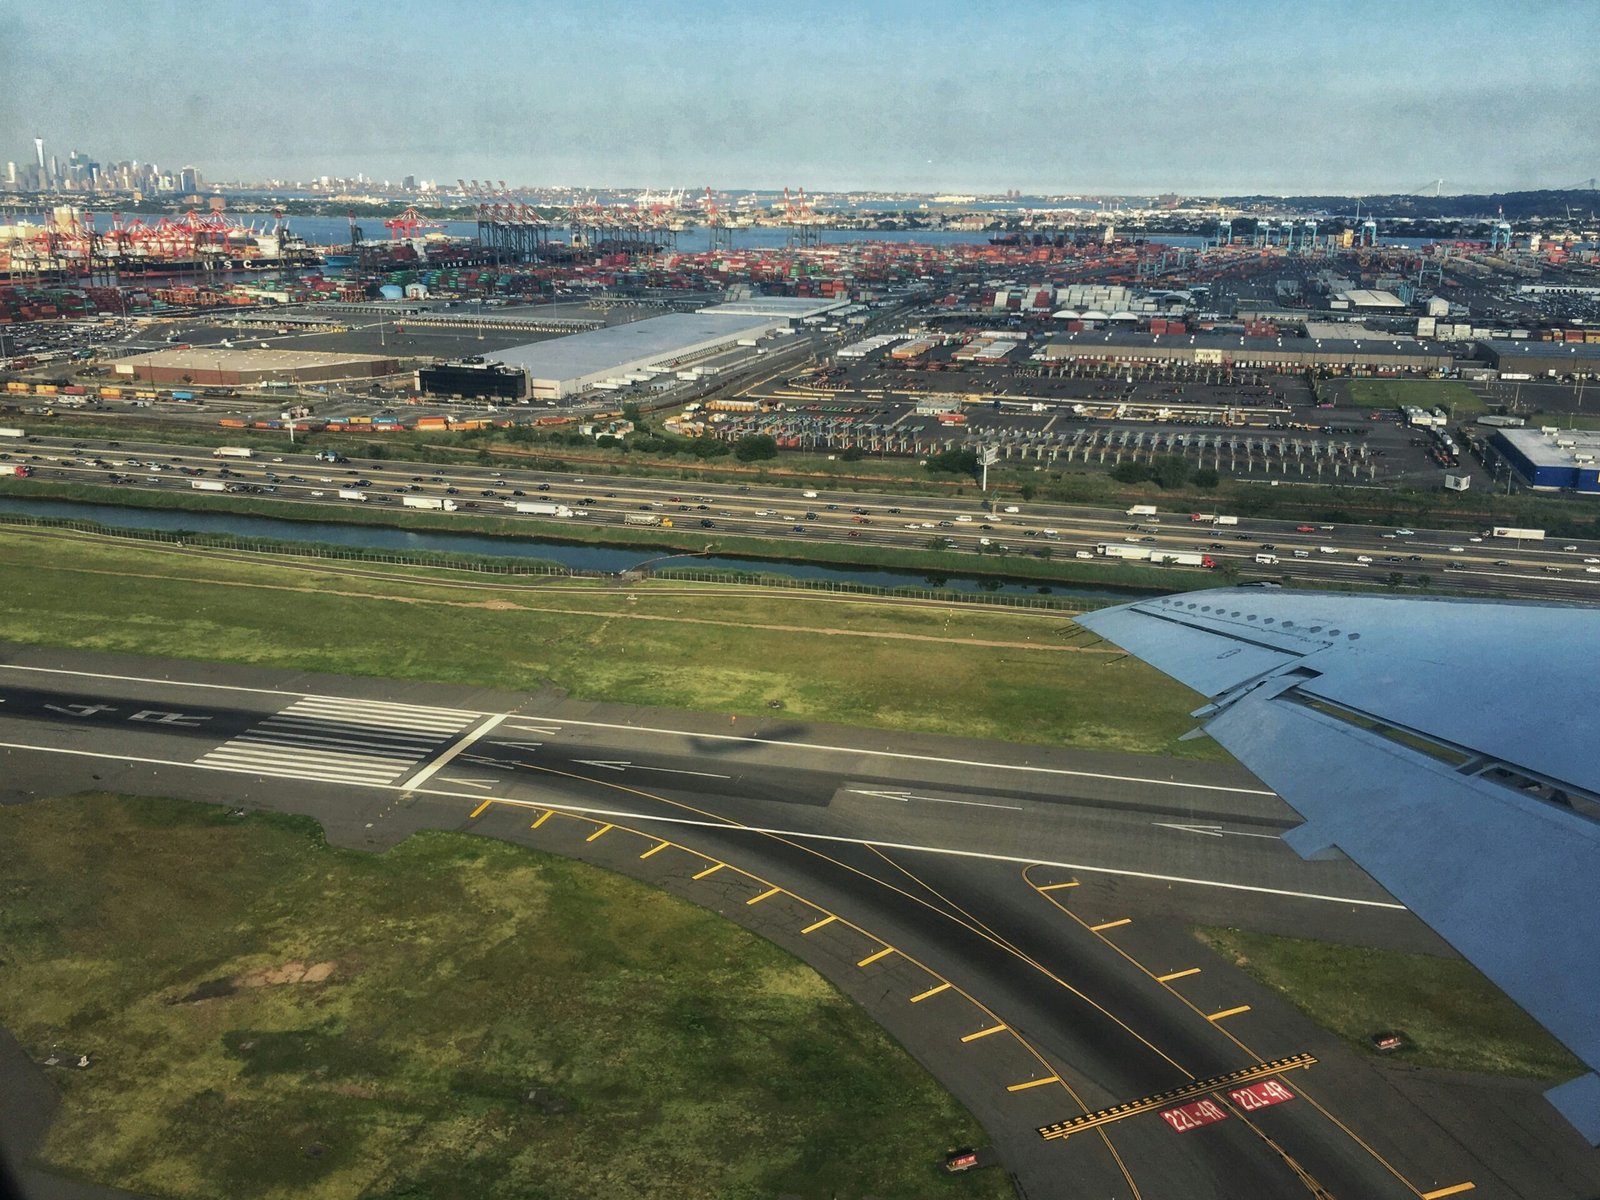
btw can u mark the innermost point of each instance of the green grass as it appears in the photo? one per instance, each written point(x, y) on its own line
point(979, 673)
point(1454, 1017)
point(694, 1058)
point(1458, 398)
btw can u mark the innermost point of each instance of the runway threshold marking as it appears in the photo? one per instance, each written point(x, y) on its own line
point(872, 958)
point(1453, 1190)
point(1184, 974)
point(983, 1033)
point(933, 991)
point(827, 920)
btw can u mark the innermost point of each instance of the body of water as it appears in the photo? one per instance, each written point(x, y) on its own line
point(581, 557)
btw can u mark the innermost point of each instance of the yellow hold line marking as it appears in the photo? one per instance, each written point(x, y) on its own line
point(1229, 1012)
point(711, 870)
point(1033, 1083)
point(1177, 975)
point(827, 920)
point(478, 812)
point(656, 849)
point(933, 991)
point(601, 832)
point(1454, 1190)
point(983, 1033)
point(1053, 887)
point(872, 958)
point(543, 817)
point(770, 892)
point(1110, 924)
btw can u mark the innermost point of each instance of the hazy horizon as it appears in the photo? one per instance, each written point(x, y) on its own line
point(1197, 98)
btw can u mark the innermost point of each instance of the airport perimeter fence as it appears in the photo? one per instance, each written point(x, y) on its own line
point(444, 561)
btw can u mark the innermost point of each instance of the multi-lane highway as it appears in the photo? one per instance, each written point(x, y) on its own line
point(1016, 916)
point(1562, 569)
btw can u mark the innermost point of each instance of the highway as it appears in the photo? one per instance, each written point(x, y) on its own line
point(1344, 554)
point(1015, 915)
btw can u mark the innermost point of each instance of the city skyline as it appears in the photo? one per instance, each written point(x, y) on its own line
point(1199, 98)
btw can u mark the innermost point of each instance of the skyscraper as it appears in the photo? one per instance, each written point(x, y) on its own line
point(38, 148)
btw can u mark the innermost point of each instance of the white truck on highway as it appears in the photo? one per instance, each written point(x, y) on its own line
point(1180, 558)
point(13, 432)
point(208, 485)
point(636, 518)
point(536, 509)
point(436, 503)
point(1142, 510)
point(352, 494)
point(233, 452)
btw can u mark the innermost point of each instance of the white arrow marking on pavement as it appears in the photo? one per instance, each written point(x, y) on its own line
point(908, 797)
point(480, 761)
point(521, 745)
point(1214, 830)
point(541, 730)
point(477, 783)
point(620, 765)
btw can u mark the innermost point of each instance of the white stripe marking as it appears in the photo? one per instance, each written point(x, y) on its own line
point(293, 757)
point(323, 752)
point(318, 725)
point(427, 773)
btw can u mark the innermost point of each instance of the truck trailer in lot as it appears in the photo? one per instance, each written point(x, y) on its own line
point(542, 510)
point(1180, 558)
point(208, 485)
point(436, 503)
point(233, 452)
point(352, 494)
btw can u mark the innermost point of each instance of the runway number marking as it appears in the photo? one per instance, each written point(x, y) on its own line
point(1260, 1095)
point(1194, 1116)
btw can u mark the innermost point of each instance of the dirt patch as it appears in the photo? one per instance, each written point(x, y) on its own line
point(497, 605)
point(289, 972)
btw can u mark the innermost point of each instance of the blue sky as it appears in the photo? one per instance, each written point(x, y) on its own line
point(1058, 97)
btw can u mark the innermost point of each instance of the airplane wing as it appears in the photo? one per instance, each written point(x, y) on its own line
point(1447, 746)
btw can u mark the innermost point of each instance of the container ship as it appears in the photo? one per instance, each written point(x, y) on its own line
point(68, 244)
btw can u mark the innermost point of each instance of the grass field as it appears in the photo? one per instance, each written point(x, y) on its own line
point(1454, 1017)
point(1461, 400)
point(270, 1017)
point(981, 673)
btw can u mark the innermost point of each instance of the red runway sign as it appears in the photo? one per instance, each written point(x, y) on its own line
point(1260, 1095)
point(1194, 1116)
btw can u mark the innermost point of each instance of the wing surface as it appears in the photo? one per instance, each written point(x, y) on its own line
point(1447, 746)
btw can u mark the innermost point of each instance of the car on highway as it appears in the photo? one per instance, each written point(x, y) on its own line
point(1305, 528)
point(1363, 558)
point(1406, 532)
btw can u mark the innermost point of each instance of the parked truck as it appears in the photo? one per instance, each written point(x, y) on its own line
point(436, 503)
point(233, 452)
point(352, 494)
point(536, 509)
point(208, 485)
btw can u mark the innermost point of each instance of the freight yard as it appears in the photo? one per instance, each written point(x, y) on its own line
point(1267, 354)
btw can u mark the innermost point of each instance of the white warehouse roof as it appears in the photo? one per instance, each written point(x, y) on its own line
point(786, 308)
point(571, 364)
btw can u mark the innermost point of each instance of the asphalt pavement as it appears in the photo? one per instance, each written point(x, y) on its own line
point(1016, 916)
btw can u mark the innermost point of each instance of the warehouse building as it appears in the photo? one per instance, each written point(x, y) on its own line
point(570, 365)
point(778, 308)
point(210, 365)
point(1527, 357)
point(1284, 354)
point(1552, 459)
